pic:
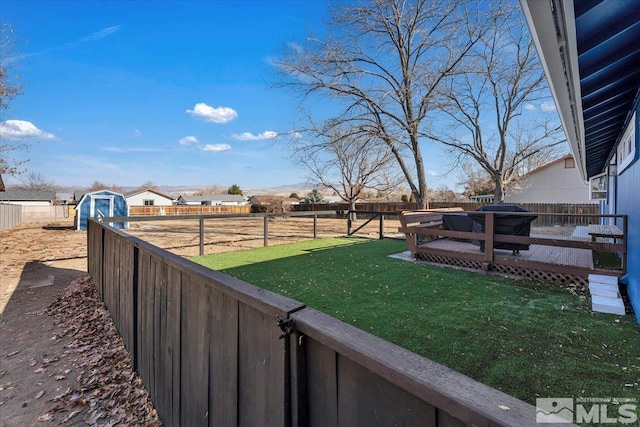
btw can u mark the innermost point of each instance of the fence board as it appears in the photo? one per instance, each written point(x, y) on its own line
point(364, 400)
point(145, 323)
point(194, 368)
point(10, 215)
point(322, 386)
point(223, 362)
point(187, 210)
point(260, 367)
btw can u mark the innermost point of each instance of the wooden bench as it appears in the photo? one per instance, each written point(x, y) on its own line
point(413, 221)
point(605, 231)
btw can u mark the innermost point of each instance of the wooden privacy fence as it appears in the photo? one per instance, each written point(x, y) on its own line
point(554, 213)
point(188, 210)
point(213, 350)
point(10, 215)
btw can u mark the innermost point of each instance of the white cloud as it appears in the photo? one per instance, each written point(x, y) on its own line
point(137, 133)
point(248, 136)
point(188, 140)
point(216, 147)
point(530, 107)
point(18, 129)
point(548, 106)
point(100, 34)
point(218, 115)
point(432, 173)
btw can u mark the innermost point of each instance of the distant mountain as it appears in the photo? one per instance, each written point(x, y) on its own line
point(301, 188)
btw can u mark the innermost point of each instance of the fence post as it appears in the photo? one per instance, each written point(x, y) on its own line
point(349, 223)
point(381, 235)
point(201, 220)
point(266, 230)
point(315, 226)
point(488, 240)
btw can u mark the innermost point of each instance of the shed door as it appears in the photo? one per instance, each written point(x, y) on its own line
point(101, 207)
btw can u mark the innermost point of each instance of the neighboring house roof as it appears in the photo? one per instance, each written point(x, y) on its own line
point(66, 197)
point(548, 165)
point(212, 197)
point(28, 195)
point(589, 51)
point(1, 184)
point(143, 190)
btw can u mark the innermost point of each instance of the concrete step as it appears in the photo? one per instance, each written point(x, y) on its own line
point(604, 290)
point(607, 305)
point(601, 278)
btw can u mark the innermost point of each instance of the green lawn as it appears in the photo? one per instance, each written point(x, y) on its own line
point(529, 339)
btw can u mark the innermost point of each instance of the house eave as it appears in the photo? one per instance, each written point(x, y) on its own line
point(552, 28)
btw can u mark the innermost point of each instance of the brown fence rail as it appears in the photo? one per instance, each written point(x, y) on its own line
point(555, 213)
point(210, 352)
point(188, 210)
point(10, 215)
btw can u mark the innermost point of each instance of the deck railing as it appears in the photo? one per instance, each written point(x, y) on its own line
point(213, 350)
point(564, 254)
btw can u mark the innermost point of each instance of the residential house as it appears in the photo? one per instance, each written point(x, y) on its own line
point(590, 51)
point(555, 182)
point(28, 197)
point(148, 197)
point(213, 200)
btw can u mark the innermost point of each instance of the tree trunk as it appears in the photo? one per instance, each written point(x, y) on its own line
point(498, 194)
point(352, 210)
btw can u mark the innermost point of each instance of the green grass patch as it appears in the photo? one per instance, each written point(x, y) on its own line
point(607, 260)
point(529, 339)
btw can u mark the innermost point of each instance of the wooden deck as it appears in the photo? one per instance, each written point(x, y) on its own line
point(551, 256)
point(546, 254)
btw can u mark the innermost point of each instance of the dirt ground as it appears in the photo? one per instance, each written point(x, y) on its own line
point(37, 262)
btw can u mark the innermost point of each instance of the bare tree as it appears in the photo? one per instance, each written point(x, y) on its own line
point(381, 68)
point(9, 88)
point(476, 181)
point(484, 106)
point(347, 164)
point(213, 189)
point(36, 181)
point(149, 185)
point(97, 186)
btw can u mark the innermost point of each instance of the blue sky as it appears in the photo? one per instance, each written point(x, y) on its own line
point(177, 93)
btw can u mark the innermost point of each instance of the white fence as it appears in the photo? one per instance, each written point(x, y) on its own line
point(47, 213)
point(10, 216)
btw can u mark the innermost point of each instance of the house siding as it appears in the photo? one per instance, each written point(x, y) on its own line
point(158, 200)
point(552, 184)
point(628, 203)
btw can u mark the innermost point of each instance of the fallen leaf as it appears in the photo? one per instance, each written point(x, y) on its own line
point(40, 394)
point(60, 377)
point(46, 417)
point(92, 417)
point(13, 353)
point(504, 408)
point(71, 415)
